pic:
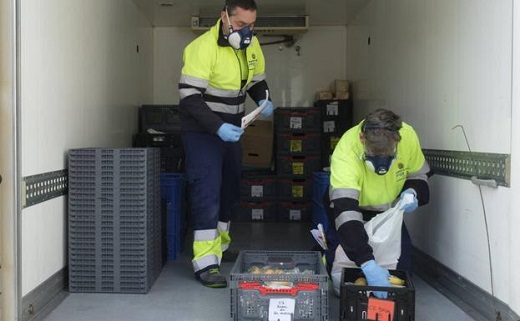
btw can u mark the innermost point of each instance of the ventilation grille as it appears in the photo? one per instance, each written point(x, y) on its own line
point(266, 24)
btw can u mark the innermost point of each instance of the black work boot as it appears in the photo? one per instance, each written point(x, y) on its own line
point(211, 277)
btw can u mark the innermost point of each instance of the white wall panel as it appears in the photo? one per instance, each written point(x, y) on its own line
point(439, 64)
point(292, 78)
point(82, 79)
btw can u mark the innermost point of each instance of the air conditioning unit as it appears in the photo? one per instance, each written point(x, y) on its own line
point(276, 25)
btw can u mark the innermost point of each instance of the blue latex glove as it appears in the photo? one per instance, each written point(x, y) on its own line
point(411, 206)
point(229, 133)
point(268, 110)
point(376, 276)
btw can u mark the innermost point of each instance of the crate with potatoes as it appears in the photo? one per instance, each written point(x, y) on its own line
point(355, 294)
point(279, 285)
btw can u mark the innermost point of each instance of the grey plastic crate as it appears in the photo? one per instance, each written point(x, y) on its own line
point(251, 296)
point(114, 219)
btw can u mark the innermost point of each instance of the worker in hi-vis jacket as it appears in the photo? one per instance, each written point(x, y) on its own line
point(220, 67)
point(374, 164)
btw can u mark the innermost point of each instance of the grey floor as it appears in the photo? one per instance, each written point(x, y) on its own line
point(176, 295)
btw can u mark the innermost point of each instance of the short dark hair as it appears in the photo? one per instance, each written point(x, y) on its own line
point(381, 131)
point(231, 5)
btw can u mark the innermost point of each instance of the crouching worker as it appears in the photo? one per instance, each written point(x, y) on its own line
point(375, 164)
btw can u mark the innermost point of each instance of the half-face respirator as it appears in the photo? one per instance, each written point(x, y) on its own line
point(379, 164)
point(241, 38)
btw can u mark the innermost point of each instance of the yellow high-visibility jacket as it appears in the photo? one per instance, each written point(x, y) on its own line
point(358, 193)
point(215, 78)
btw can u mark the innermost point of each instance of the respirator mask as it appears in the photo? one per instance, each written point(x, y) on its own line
point(241, 38)
point(379, 164)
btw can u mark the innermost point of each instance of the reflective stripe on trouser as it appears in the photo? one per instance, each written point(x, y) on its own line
point(206, 249)
point(225, 238)
point(213, 168)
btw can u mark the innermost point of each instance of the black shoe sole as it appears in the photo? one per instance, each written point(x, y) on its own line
point(214, 285)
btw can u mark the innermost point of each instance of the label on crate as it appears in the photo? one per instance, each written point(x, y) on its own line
point(297, 169)
point(295, 215)
point(257, 191)
point(296, 145)
point(257, 214)
point(296, 122)
point(281, 309)
point(329, 126)
point(297, 191)
point(380, 309)
point(332, 109)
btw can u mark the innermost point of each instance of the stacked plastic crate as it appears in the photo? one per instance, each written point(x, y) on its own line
point(160, 126)
point(114, 220)
point(258, 197)
point(336, 117)
point(297, 157)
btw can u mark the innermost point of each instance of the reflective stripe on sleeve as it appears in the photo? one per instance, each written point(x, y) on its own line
point(336, 193)
point(193, 81)
point(185, 92)
point(228, 109)
point(346, 217)
point(420, 174)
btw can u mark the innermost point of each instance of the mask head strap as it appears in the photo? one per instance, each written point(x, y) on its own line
point(230, 27)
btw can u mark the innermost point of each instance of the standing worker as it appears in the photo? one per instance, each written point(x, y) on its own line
point(220, 66)
point(375, 164)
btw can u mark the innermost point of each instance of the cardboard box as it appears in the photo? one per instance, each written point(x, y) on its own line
point(257, 144)
point(341, 95)
point(323, 95)
point(339, 85)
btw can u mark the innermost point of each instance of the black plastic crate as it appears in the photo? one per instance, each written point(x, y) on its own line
point(354, 298)
point(258, 188)
point(336, 115)
point(295, 188)
point(172, 160)
point(328, 144)
point(159, 118)
point(297, 143)
point(157, 140)
point(294, 211)
point(298, 165)
point(297, 118)
point(259, 211)
point(171, 149)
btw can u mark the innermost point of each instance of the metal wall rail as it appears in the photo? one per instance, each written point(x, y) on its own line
point(470, 165)
point(42, 187)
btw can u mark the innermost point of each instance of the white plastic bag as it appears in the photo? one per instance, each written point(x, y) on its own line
point(384, 236)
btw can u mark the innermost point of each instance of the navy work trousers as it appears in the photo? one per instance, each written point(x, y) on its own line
point(213, 170)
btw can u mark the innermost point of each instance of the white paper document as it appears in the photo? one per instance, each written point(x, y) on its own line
point(281, 309)
point(249, 118)
point(319, 236)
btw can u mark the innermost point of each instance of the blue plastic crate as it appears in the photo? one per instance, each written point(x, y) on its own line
point(173, 191)
point(320, 184)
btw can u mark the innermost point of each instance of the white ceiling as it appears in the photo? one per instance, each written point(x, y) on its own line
point(321, 12)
